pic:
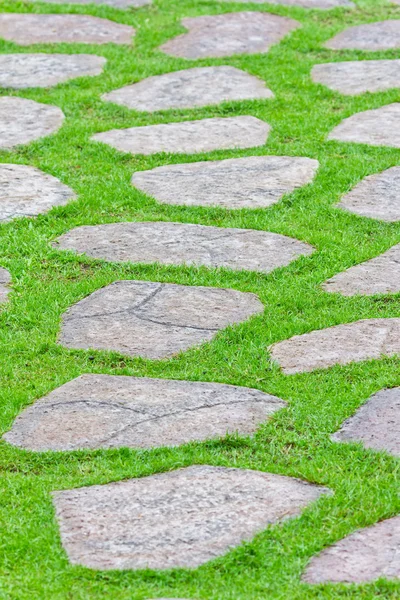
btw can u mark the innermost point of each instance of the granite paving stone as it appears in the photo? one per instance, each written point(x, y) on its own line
point(183, 518)
point(377, 127)
point(113, 3)
point(316, 4)
point(383, 35)
point(5, 279)
point(357, 77)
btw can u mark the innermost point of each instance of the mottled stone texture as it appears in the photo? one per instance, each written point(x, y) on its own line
point(113, 3)
point(201, 86)
point(153, 320)
point(377, 127)
point(253, 182)
point(339, 345)
point(179, 519)
point(321, 4)
point(383, 35)
point(357, 77)
point(225, 35)
point(363, 556)
point(23, 121)
point(5, 279)
point(105, 411)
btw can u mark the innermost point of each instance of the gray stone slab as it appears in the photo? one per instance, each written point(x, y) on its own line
point(26, 29)
point(189, 137)
point(201, 86)
point(252, 182)
point(106, 411)
point(183, 518)
point(23, 121)
point(339, 345)
point(5, 279)
point(153, 320)
point(383, 35)
point(228, 34)
point(357, 77)
point(377, 127)
point(315, 4)
point(366, 555)
point(113, 3)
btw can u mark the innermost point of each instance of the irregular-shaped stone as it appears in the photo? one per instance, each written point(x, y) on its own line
point(228, 34)
point(113, 3)
point(5, 279)
point(183, 518)
point(189, 137)
point(366, 555)
point(27, 192)
point(201, 86)
point(23, 121)
point(316, 4)
point(252, 182)
point(383, 35)
point(26, 29)
point(377, 127)
point(153, 320)
point(339, 345)
point(106, 411)
point(357, 77)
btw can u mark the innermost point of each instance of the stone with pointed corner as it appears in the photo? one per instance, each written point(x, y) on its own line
point(315, 4)
point(5, 279)
point(377, 127)
point(383, 35)
point(357, 77)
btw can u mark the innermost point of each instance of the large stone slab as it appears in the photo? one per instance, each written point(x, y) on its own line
point(363, 556)
point(225, 35)
point(153, 320)
point(357, 77)
point(189, 137)
point(5, 279)
point(23, 121)
point(252, 182)
point(316, 4)
point(106, 411)
point(26, 29)
point(179, 519)
point(377, 127)
point(201, 86)
point(113, 3)
point(339, 345)
point(383, 35)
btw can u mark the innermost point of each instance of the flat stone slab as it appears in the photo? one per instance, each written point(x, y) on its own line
point(23, 121)
point(382, 35)
point(106, 411)
point(232, 33)
point(357, 77)
point(26, 29)
point(366, 555)
point(183, 518)
point(253, 182)
point(377, 127)
point(153, 320)
point(316, 4)
point(201, 86)
point(113, 3)
point(339, 345)
point(189, 137)
point(5, 279)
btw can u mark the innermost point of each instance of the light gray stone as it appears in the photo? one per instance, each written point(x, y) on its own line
point(23, 121)
point(377, 127)
point(5, 279)
point(153, 320)
point(366, 555)
point(106, 411)
point(252, 182)
point(383, 35)
point(316, 4)
point(183, 518)
point(201, 86)
point(26, 29)
point(357, 77)
point(228, 34)
point(113, 3)
point(339, 345)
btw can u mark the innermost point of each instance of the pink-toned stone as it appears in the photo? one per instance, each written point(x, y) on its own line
point(383, 35)
point(377, 127)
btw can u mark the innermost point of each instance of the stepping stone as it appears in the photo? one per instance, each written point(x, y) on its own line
point(153, 320)
point(339, 345)
point(383, 35)
point(21, 71)
point(376, 424)
point(253, 182)
point(229, 34)
point(113, 3)
point(23, 121)
point(108, 411)
point(26, 29)
point(377, 127)
point(189, 137)
point(321, 4)
point(201, 86)
point(5, 279)
point(28, 192)
point(366, 555)
point(357, 77)
point(179, 519)
point(381, 275)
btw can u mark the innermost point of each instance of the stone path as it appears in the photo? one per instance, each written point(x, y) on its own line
point(105, 411)
point(229, 34)
point(339, 345)
point(253, 182)
point(377, 127)
point(357, 77)
point(179, 519)
point(153, 320)
point(5, 279)
point(113, 3)
point(363, 556)
point(321, 4)
point(189, 137)
point(201, 86)
point(383, 35)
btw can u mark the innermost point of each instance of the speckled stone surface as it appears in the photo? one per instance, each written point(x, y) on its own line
point(321, 4)
point(183, 518)
point(5, 279)
point(153, 320)
point(229, 34)
point(113, 3)
point(252, 182)
point(382, 35)
point(357, 77)
point(339, 345)
point(105, 411)
point(23, 121)
point(366, 555)
point(377, 127)
point(201, 86)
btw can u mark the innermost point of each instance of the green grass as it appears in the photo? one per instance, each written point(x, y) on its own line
point(46, 282)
